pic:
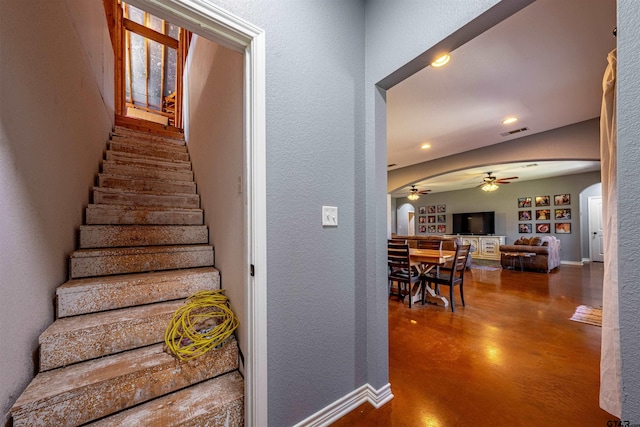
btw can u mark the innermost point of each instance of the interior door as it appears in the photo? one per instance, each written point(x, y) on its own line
point(596, 233)
point(411, 224)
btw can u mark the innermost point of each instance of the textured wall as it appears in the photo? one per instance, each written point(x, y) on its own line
point(53, 128)
point(628, 92)
point(213, 118)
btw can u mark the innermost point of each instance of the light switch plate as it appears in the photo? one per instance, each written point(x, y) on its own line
point(330, 216)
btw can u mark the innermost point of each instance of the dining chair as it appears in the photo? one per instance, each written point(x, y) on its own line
point(451, 278)
point(430, 244)
point(398, 241)
point(400, 270)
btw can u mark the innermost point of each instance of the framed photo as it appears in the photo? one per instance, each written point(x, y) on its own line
point(524, 215)
point(442, 208)
point(432, 219)
point(543, 228)
point(524, 228)
point(562, 199)
point(422, 220)
point(431, 209)
point(423, 229)
point(422, 210)
point(543, 201)
point(442, 218)
point(563, 228)
point(524, 202)
point(442, 228)
point(432, 229)
point(543, 214)
point(562, 214)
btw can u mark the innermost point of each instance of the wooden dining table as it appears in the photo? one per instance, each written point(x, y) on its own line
point(425, 260)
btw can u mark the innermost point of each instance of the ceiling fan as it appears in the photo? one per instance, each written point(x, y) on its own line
point(490, 182)
point(414, 193)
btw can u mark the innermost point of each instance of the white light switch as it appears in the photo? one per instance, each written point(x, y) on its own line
point(330, 216)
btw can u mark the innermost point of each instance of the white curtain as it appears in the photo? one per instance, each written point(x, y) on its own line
point(610, 348)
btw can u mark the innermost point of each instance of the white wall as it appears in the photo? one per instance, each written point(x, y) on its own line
point(53, 128)
point(214, 131)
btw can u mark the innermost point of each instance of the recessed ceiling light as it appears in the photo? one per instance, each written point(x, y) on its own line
point(509, 120)
point(441, 60)
point(425, 146)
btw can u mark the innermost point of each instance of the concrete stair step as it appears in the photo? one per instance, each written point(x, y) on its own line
point(124, 124)
point(94, 294)
point(133, 170)
point(99, 214)
point(152, 185)
point(124, 136)
point(123, 157)
point(109, 261)
point(112, 236)
point(148, 151)
point(76, 339)
point(148, 144)
point(113, 196)
point(215, 402)
point(91, 390)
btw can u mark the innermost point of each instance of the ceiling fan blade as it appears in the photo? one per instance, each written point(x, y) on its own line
point(511, 177)
point(502, 182)
point(424, 191)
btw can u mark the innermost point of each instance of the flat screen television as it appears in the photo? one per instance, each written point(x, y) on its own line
point(482, 223)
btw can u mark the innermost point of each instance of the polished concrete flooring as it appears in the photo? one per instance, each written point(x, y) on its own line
point(511, 357)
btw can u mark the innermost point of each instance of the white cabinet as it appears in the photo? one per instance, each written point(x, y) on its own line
point(487, 247)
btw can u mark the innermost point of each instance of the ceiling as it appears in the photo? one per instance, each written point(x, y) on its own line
point(543, 64)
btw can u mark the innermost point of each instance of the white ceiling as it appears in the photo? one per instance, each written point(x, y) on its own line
point(544, 65)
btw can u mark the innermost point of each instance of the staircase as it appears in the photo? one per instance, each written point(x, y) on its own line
point(143, 250)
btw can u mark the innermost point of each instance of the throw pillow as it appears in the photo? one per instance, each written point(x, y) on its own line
point(535, 241)
point(518, 242)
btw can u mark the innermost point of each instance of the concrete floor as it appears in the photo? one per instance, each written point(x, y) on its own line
point(510, 357)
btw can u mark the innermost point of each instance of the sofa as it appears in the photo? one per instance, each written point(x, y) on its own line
point(449, 243)
point(545, 248)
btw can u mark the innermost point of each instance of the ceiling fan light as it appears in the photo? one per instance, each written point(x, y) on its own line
point(413, 196)
point(444, 59)
point(509, 120)
point(489, 186)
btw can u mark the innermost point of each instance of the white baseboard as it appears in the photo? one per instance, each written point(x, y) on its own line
point(586, 260)
point(572, 262)
point(348, 403)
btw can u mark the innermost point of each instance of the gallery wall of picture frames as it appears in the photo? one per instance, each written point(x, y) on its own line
point(539, 209)
point(432, 219)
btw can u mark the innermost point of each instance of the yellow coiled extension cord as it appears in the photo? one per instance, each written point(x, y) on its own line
point(201, 324)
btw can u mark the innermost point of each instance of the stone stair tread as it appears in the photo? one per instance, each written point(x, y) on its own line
point(145, 172)
point(99, 214)
point(101, 236)
point(148, 151)
point(173, 137)
point(147, 144)
point(110, 261)
point(142, 192)
point(115, 196)
point(158, 141)
point(122, 157)
point(86, 391)
point(215, 402)
point(137, 250)
point(94, 294)
point(75, 339)
point(159, 180)
point(81, 296)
